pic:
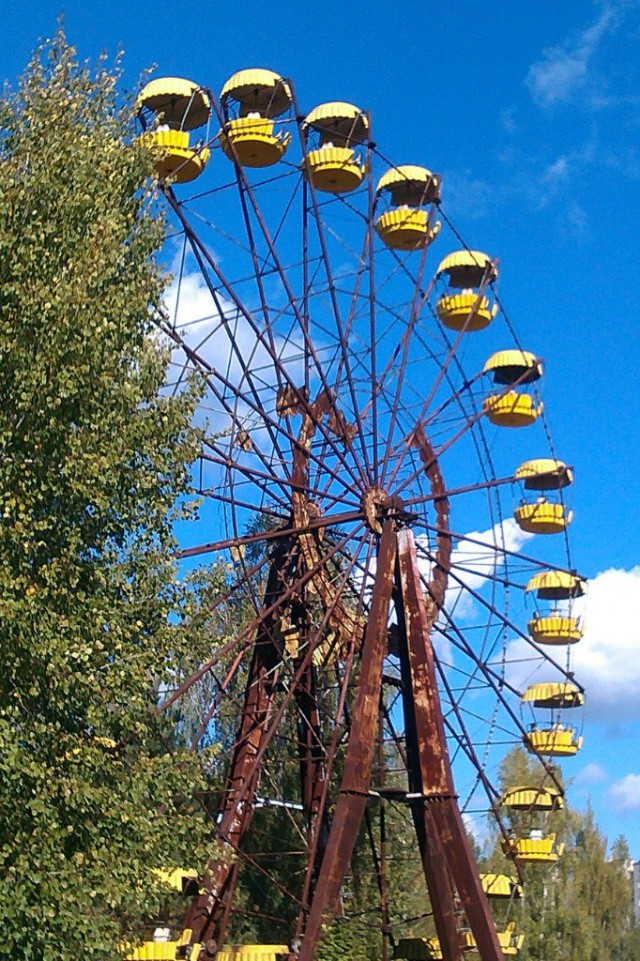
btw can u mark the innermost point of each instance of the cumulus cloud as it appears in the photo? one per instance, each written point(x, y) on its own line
point(563, 70)
point(225, 339)
point(606, 659)
point(480, 560)
point(589, 775)
point(624, 794)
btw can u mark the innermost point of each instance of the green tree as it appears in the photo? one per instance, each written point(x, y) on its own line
point(95, 790)
point(580, 908)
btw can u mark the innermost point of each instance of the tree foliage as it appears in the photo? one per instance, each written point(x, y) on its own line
point(579, 909)
point(94, 462)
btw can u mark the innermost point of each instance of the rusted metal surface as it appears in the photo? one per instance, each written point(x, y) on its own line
point(385, 928)
point(344, 624)
point(304, 588)
point(313, 768)
point(207, 914)
point(447, 856)
point(427, 759)
point(299, 572)
point(356, 777)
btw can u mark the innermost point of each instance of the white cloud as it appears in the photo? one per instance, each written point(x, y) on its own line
point(590, 774)
point(464, 192)
point(480, 561)
point(625, 794)
point(575, 222)
point(225, 339)
point(563, 70)
point(606, 660)
point(558, 170)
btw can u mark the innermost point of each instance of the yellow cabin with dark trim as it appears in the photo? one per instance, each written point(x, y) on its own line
point(407, 224)
point(513, 370)
point(333, 132)
point(466, 305)
point(559, 740)
point(536, 849)
point(253, 102)
point(169, 108)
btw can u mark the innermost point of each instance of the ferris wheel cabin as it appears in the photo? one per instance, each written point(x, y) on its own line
point(465, 305)
point(418, 949)
point(509, 941)
point(545, 849)
point(558, 627)
point(525, 798)
point(501, 886)
point(407, 224)
point(334, 131)
point(252, 101)
point(547, 512)
point(553, 695)
point(169, 108)
point(514, 407)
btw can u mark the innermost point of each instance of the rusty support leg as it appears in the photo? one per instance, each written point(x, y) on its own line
point(207, 915)
point(434, 862)
point(312, 757)
point(384, 897)
point(357, 770)
point(445, 838)
point(207, 909)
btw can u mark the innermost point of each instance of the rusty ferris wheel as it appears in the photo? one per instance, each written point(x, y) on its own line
point(359, 490)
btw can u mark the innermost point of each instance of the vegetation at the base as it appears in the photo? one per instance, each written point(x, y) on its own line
point(95, 790)
point(581, 908)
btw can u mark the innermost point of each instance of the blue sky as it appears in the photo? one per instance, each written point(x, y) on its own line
point(532, 114)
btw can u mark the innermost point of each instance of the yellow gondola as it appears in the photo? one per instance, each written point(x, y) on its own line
point(178, 103)
point(543, 516)
point(500, 886)
point(464, 306)
point(257, 90)
point(180, 879)
point(406, 225)
point(544, 474)
point(252, 100)
point(509, 366)
point(556, 741)
point(553, 694)
point(467, 268)
point(418, 949)
point(256, 142)
point(165, 949)
point(509, 941)
point(154, 951)
point(337, 128)
point(253, 952)
point(175, 159)
point(555, 629)
point(526, 798)
point(511, 409)
point(537, 848)
point(176, 106)
point(556, 585)
point(515, 408)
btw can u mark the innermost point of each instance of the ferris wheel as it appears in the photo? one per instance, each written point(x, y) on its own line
point(375, 462)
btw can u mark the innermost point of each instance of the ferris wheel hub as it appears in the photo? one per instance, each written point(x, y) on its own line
point(377, 504)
